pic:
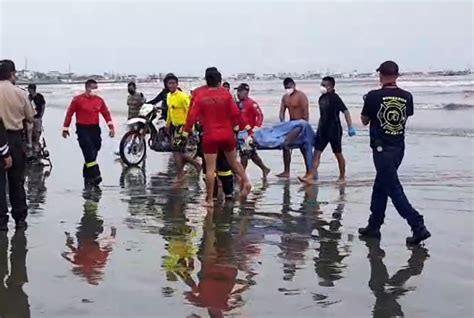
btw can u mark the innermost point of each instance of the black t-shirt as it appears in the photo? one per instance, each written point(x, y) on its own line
point(388, 110)
point(330, 105)
point(39, 104)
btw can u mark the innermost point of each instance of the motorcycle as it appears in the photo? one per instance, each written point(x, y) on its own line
point(133, 144)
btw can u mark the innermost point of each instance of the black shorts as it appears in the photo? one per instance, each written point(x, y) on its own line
point(174, 133)
point(332, 136)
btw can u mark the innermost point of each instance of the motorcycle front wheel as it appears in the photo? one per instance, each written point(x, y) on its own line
point(132, 148)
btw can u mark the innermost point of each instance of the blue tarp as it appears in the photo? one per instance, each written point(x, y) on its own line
point(275, 137)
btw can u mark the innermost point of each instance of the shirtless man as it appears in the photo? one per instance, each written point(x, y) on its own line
point(298, 107)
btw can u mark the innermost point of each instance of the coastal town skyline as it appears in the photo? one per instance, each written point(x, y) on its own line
point(317, 36)
point(27, 75)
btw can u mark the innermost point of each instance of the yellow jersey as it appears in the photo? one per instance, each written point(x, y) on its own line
point(178, 107)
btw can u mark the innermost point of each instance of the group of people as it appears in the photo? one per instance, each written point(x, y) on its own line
point(220, 118)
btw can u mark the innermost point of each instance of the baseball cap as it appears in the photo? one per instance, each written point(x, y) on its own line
point(388, 68)
point(243, 87)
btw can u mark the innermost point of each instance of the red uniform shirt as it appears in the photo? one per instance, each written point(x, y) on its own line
point(216, 111)
point(251, 115)
point(87, 109)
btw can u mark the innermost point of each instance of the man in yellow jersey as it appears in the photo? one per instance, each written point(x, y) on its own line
point(178, 108)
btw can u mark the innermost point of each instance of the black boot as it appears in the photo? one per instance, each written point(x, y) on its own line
point(420, 234)
point(96, 176)
point(370, 231)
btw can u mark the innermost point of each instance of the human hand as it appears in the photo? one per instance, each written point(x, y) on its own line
point(65, 133)
point(112, 132)
point(7, 162)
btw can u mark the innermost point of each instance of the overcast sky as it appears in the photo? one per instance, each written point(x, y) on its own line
point(185, 37)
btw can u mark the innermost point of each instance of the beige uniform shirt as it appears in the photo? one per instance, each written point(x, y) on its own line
point(14, 106)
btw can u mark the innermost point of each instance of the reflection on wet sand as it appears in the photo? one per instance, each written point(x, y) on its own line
point(35, 182)
point(179, 262)
point(387, 290)
point(13, 299)
point(89, 256)
point(329, 263)
point(296, 227)
point(218, 289)
point(222, 267)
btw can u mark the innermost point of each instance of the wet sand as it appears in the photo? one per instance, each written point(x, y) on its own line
point(289, 251)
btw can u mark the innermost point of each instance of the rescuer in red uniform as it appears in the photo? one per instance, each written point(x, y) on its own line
point(87, 108)
point(218, 115)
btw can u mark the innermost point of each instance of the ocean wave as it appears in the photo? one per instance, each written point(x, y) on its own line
point(456, 106)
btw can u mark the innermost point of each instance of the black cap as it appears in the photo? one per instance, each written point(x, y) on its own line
point(243, 87)
point(211, 70)
point(170, 76)
point(388, 68)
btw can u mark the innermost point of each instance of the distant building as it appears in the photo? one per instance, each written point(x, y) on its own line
point(269, 77)
point(246, 76)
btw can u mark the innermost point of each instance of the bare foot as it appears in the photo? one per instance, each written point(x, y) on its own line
point(309, 180)
point(341, 181)
point(266, 172)
point(283, 175)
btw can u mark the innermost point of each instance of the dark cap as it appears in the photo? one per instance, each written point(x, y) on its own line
point(170, 76)
point(243, 87)
point(211, 70)
point(388, 68)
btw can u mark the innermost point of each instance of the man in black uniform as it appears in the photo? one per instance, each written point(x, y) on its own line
point(387, 110)
point(330, 129)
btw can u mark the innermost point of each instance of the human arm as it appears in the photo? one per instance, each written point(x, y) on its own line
point(410, 107)
point(40, 106)
point(104, 110)
point(69, 113)
point(4, 149)
point(168, 114)
point(365, 115)
point(160, 97)
point(347, 115)
point(305, 105)
point(192, 117)
point(258, 115)
point(282, 109)
point(28, 109)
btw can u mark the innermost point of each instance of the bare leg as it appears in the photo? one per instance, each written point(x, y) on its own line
point(244, 160)
point(178, 159)
point(210, 160)
point(342, 168)
point(286, 164)
point(245, 185)
point(259, 162)
point(309, 177)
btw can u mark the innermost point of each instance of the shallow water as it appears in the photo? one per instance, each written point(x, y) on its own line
point(140, 248)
